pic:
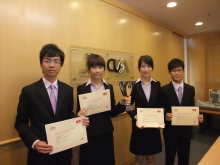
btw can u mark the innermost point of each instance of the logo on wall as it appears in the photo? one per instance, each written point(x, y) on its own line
point(117, 65)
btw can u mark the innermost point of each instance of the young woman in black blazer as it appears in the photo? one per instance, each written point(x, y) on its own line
point(100, 147)
point(146, 93)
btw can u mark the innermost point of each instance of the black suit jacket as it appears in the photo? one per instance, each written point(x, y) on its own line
point(101, 123)
point(35, 110)
point(170, 99)
point(138, 96)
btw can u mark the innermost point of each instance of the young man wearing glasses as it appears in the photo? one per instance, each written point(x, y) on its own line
point(45, 101)
point(177, 93)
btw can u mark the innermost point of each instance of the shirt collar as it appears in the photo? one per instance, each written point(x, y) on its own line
point(176, 85)
point(139, 79)
point(47, 83)
point(90, 82)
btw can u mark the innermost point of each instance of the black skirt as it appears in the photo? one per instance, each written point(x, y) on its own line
point(98, 151)
point(145, 141)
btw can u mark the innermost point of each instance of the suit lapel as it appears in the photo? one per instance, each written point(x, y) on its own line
point(106, 86)
point(173, 93)
point(141, 93)
point(87, 89)
point(185, 88)
point(153, 88)
point(60, 96)
point(44, 94)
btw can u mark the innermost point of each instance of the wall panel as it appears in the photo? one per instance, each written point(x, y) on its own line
point(196, 63)
point(27, 25)
point(204, 63)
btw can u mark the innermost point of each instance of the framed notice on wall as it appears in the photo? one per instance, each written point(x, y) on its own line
point(119, 65)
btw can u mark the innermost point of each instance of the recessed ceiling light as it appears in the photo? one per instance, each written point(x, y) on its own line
point(122, 21)
point(75, 5)
point(199, 23)
point(171, 4)
point(156, 33)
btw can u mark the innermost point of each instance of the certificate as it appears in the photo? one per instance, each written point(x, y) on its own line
point(150, 117)
point(187, 116)
point(95, 102)
point(66, 134)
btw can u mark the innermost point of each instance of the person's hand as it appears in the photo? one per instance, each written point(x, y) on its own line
point(82, 112)
point(161, 126)
point(125, 100)
point(142, 127)
point(168, 116)
point(43, 147)
point(85, 121)
point(201, 118)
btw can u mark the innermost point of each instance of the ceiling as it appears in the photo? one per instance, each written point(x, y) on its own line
point(184, 15)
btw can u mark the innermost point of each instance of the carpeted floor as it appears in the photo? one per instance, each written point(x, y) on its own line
point(199, 146)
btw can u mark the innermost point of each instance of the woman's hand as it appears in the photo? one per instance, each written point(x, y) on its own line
point(201, 118)
point(169, 117)
point(142, 127)
point(85, 121)
point(125, 100)
point(82, 112)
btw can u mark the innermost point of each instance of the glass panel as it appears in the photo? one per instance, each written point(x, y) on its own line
point(119, 65)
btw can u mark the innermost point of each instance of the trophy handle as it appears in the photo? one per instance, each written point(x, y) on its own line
point(128, 88)
point(125, 83)
point(121, 86)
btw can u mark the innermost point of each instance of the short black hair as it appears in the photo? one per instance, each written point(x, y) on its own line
point(51, 50)
point(95, 60)
point(174, 63)
point(146, 59)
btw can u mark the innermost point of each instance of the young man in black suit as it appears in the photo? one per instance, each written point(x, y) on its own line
point(35, 107)
point(177, 138)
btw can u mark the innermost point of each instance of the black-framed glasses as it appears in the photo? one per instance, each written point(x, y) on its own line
point(55, 62)
point(176, 70)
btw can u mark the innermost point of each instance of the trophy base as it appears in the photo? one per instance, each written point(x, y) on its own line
point(129, 107)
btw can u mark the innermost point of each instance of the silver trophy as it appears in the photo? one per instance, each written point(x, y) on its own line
point(126, 88)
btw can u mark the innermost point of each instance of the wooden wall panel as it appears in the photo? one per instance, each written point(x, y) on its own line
point(196, 63)
point(12, 154)
point(212, 56)
point(204, 63)
point(27, 25)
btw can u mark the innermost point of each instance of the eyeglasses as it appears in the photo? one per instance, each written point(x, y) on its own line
point(56, 62)
point(177, 70)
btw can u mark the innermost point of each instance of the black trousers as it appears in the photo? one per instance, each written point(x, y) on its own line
point(177, 145)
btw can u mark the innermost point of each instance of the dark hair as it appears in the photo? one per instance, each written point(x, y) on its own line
point(146, 59)
point(95, 60)
point(174, 63)
point(51, 50)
